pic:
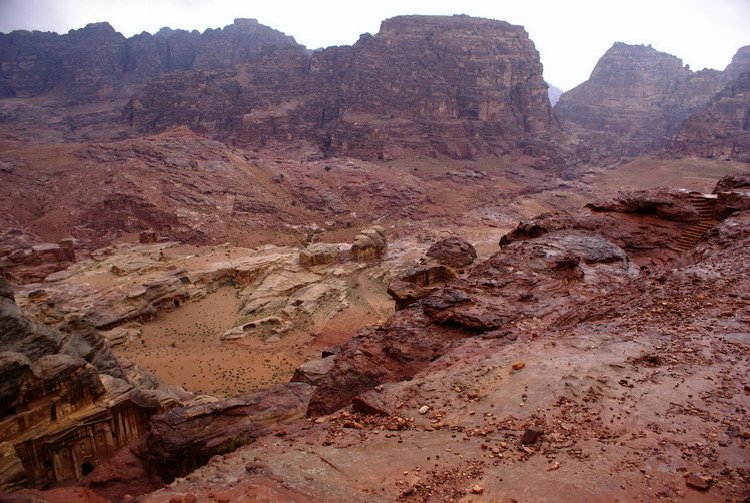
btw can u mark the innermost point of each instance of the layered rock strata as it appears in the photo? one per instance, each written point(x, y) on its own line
point(457, 86)
point(722, 129)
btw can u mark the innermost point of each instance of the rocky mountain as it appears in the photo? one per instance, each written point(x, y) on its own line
point(638, 97)
point(96, 62)
point(456, 86)
point(722, 129)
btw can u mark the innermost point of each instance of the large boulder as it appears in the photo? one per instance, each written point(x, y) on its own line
point(453, 252)
point(311, 372)
point(320, 254)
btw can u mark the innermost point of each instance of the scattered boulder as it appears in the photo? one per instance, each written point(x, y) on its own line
point(453, 252)
point(312, 372)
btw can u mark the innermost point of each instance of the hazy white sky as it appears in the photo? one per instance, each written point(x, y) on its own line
point(570, 35)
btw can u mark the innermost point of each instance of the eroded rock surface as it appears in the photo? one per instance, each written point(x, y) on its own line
point(620, 375)
point(185, 438)
point(722, 129)
point(417, 283)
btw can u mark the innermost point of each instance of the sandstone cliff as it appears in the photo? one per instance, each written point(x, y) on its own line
point(451, 85)
point(96, 62)
point(638, 97)
point(456, 85)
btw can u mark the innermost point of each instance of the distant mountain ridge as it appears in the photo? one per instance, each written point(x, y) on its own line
point(639, 97)
point(96, 62)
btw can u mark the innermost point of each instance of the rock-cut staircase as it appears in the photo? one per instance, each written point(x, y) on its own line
point(704, 205)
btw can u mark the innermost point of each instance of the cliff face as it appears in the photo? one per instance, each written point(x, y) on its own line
point(96, 62)
point(428, 83)
point(722, 130)
point(639, 97)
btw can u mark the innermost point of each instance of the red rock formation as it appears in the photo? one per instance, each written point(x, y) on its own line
point(417, 283)
point(369, 245)
point(458, 86)
point(593, 381)
point(531, 278)
point(28, 265)
point(185, 438)
point(546, 266)
point(60, 413)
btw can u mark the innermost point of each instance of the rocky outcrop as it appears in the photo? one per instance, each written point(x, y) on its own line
point(638, 97)
point(528, 279)
point(652, 226)
point(453, 252)
point(185, 438)
point(477, 90)
point(188, 188)
point(592, 384)
point(668, 204)
point(34, 263)
point(546, 267)
point(732, 194)
point(96, 62)
point(321, 254)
